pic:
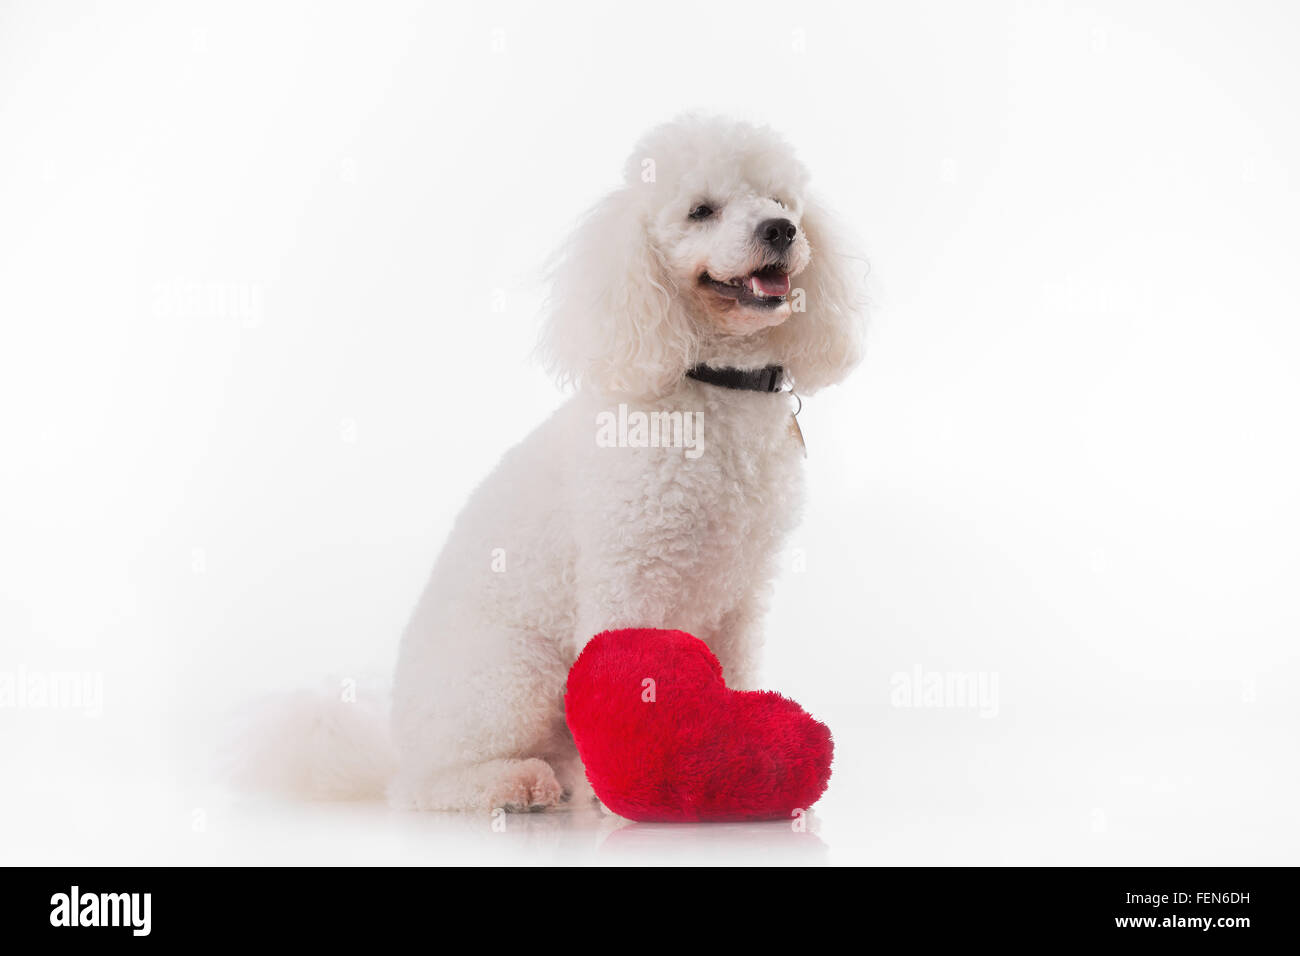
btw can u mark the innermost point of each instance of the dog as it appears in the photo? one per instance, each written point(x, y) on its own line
point(685, 310)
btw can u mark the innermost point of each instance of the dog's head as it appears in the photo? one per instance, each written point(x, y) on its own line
point(711, 251)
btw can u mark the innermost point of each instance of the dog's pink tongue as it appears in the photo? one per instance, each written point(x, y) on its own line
point(770, 284)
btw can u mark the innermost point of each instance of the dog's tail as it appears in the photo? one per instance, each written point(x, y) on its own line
point(327, 744)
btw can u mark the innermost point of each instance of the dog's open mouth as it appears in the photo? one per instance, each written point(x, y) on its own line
point(766, 288)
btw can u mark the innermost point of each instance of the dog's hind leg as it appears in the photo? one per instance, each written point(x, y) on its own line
point(510, 784)
point(477, 721)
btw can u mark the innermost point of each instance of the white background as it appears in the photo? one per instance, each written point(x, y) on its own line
point(270, 274)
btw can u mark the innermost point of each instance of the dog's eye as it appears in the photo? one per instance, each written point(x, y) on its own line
point(702, 211)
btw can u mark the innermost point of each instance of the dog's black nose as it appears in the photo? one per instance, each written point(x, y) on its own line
point(777, 233)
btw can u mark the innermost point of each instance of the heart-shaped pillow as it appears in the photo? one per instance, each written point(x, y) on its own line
point(662, 738)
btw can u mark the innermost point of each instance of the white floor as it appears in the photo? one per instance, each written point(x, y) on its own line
point(954, 791)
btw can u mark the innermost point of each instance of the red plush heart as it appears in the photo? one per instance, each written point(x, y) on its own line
point(662, 738)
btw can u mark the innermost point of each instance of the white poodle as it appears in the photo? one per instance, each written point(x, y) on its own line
point(686, 309)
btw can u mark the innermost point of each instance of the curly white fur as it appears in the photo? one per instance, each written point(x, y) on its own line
point(567, 538)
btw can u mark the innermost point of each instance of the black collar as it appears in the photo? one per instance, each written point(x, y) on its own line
point(767, 379)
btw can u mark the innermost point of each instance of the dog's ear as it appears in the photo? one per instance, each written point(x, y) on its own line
point(823, 343)
point(614, 321)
